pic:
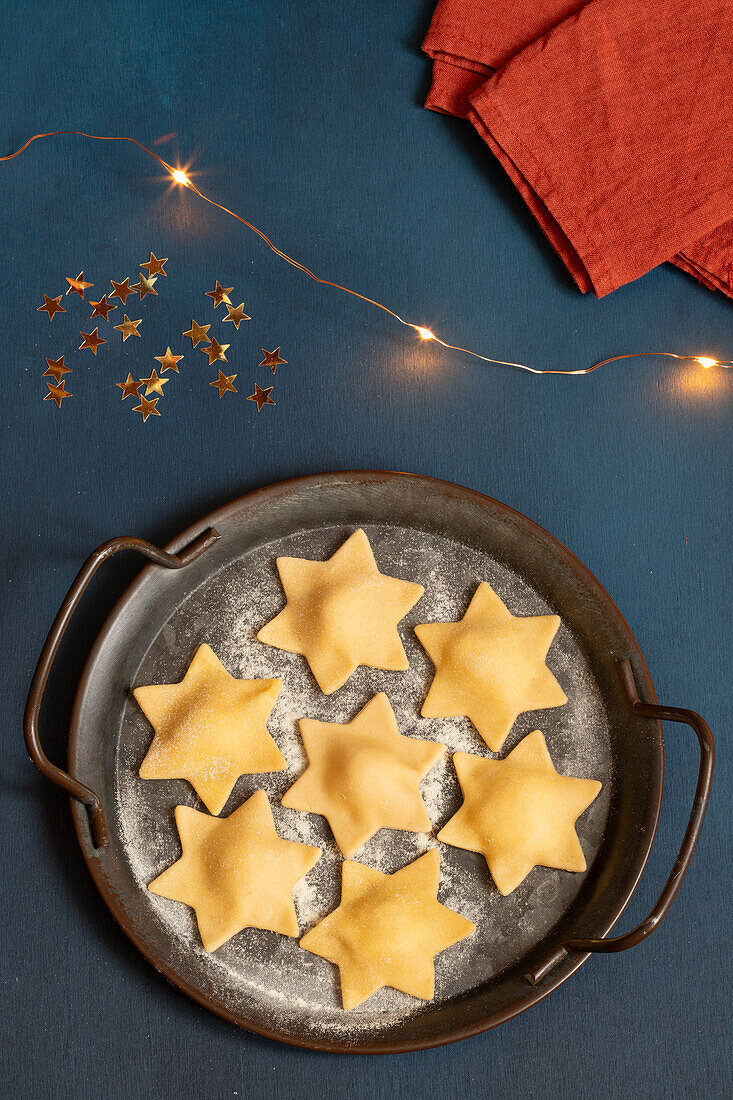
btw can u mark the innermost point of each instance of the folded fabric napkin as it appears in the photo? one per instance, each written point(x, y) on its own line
point(613, 118)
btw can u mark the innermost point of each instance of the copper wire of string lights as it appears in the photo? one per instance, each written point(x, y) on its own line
point(180, 177)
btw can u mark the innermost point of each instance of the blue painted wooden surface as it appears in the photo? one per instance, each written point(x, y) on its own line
point(307, 118)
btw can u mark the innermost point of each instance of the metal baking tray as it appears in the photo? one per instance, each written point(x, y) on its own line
point(217, 583)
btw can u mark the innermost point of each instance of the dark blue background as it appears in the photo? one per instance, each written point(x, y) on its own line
point(307, 119)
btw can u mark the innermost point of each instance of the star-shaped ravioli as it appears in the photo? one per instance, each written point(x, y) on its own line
point(236, 872)
point(52, 306)
point(341, 613)
point(209, 729)
point(490, 666)
point(519, 813)
point(363, 776)
point(387, 930)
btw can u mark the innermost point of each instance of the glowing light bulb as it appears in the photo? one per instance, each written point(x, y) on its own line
point(425, 333)
point(180, 177)
point(706, 361)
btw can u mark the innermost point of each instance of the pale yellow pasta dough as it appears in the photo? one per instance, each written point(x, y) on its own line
point(236, 872)
point(519, 812)
point(387, 930)
point(363, 776)
point(490, 666)
point(341, 613)
point(209, 729)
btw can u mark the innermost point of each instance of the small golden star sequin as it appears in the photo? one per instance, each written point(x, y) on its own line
point(128, 328)
point(77, 285)
point(91, 340)
point(147, 407)
point(220, 294)
point(130, 388)
point(169, 361)
point(144, 286)
point(261, 397)
point(57, 393)
point(51, 306)
point(155, 266)
point(56, 369)
point(236, 315)
point(154, 384)
point(215, 351)
point(272, 359)
point(102, 308)
point(197, 332)
point(122, 290)
point(224, 383)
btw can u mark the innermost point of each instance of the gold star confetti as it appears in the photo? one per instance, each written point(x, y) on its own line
point(224, 383)
point(122, 290)
point(155, 266)
point(128, 328)
point(272, 359)
point(77, 285)
point(57, 393)
point(197, 332)
point(51, 306)
point(91, 340)
point(236, 315)
point(215, 351)
point(169, 361)
point(154, 384)
point(130, 388)
point(102, 308)
point(56, 369)
point(261, 397)
point(144, 286)
point(147, 408)
point(220, 294)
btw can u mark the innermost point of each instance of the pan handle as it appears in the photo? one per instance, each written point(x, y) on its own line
point(682, 863)
point(100, 836)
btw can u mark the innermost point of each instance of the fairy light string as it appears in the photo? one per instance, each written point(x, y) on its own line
point(182, 179)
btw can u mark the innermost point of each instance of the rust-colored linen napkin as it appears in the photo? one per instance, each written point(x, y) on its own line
point(613, 118)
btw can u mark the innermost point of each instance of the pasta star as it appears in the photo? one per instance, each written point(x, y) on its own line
point(490, 666)
point(363, 776)
point(519, 812)
point(236, 872)
point(341, 613)
point(209, 729)
point(387, 930)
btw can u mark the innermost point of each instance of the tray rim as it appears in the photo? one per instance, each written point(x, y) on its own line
point(558, 976)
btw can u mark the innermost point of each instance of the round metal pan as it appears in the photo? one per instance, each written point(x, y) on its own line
point(216, 582)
